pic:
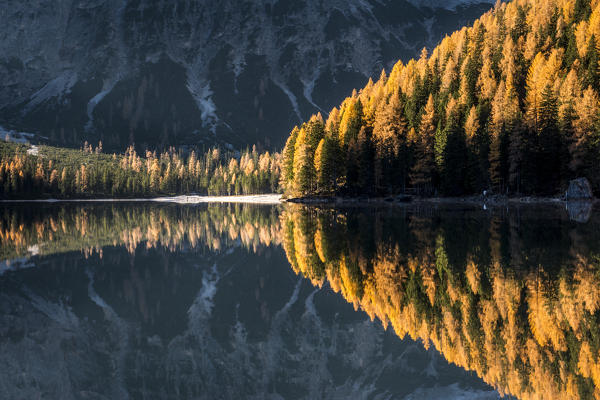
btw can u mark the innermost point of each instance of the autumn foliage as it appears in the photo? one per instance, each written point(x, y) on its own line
point(90, 173)
point(513, 296)
point(510, 104)
point(26, 231)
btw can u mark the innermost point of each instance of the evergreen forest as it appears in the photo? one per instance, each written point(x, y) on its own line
point(89, 173)
point(510, 104)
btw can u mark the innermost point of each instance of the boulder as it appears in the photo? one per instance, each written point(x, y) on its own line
point(579, 189)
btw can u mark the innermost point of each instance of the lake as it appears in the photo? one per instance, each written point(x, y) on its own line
point(237, 301)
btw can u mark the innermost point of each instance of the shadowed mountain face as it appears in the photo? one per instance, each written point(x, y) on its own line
point(200, 72)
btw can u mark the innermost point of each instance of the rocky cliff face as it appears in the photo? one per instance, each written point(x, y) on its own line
point(158, 72)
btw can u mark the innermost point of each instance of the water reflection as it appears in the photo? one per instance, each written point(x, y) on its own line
point(169, 302)
point(511, 294)
point(579, 211)
point(30, 230)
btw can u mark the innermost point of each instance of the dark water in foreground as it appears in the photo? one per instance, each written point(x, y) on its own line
point(150, 301)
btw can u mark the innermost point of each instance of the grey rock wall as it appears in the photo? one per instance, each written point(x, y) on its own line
point(157, 73)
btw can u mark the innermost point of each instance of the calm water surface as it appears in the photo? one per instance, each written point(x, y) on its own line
point(151, 301)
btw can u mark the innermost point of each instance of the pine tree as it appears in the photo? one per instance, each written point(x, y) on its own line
point(83, 179)
point(424, 167)
point(352, 165)
point(325, 165)
point(549, 143)
point(287, 173)
point(365, 161)
point(499, 140)
point(517, 142)
point(584, 139)
point(455, 155)
point(497, 144)
point(591, 65)
point(315, 130)
point(571, 53)
point(351, 121)
point(471, 69)
point(486, 82)
point(332, 126)
point(440, 147)
point(304, 169)
point(474, 179)
point(390, 145)
point(582, 10)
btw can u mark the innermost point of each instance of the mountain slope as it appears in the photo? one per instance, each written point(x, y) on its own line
point(510, 103)
point(161, 73)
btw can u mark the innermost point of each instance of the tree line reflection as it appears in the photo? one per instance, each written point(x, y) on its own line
point(43, 230)
point(512, 295)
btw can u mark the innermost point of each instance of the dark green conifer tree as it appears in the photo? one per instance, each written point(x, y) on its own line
point(590, 65)
point(390, 146)
point(549, 144)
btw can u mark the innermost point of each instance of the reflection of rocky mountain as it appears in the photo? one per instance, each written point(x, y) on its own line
point(154, 72)
point(228, 324)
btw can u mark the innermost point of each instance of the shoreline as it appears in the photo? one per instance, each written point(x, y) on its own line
point(409, 199)
point(273, 199)
point(183, 199)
